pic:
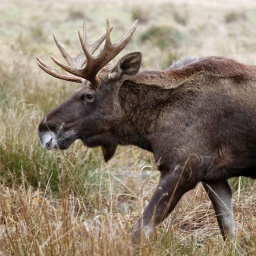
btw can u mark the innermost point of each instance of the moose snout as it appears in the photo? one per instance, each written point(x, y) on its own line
point(46, 135)
point(48, 144)
point(48, 139)
point(54, 136)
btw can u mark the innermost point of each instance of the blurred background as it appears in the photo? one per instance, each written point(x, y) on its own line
point(70, 202)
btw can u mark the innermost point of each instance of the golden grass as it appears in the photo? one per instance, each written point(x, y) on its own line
point(33, 223)
point(71, 203)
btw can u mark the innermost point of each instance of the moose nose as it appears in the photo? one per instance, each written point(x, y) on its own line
point(48, 139)
point(48, 144)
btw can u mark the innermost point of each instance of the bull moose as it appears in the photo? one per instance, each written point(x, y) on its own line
point(198, 118)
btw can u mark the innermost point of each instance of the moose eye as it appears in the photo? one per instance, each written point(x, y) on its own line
point(88, 98)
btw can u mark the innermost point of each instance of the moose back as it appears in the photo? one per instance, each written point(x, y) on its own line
point(198, 118)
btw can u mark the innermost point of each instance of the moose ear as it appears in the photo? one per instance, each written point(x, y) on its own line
point(127, 67)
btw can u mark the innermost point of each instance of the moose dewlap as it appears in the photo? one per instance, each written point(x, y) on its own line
point(198, 118)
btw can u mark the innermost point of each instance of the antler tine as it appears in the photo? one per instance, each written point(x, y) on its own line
point(64, 53)
point(127, 37)
point(85, 51)
point(95, 45)
point(108, 39)
point(69, 69)
point(53, 72)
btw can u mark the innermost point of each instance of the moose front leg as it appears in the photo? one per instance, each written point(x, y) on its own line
point(221, 197)
point(170, 189)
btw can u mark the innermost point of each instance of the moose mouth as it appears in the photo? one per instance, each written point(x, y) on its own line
point(50, 141)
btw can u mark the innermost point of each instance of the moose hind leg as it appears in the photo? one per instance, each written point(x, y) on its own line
point(170, 189)
point(221, 197)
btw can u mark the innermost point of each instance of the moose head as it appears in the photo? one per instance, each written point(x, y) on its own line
point(91, 111)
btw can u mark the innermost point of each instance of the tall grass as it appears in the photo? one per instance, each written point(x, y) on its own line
point(70, 202)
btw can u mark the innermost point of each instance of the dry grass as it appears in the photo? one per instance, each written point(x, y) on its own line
point(71, 202)
point(33, 223)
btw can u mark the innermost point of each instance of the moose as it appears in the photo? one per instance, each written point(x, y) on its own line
point(197, 117)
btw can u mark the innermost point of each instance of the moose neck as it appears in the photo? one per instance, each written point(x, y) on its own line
point(141, 104)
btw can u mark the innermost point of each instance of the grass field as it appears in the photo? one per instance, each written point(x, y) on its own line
point(70, 202)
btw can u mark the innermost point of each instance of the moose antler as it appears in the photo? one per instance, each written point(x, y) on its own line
point(85, 65)
point(76, 62)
